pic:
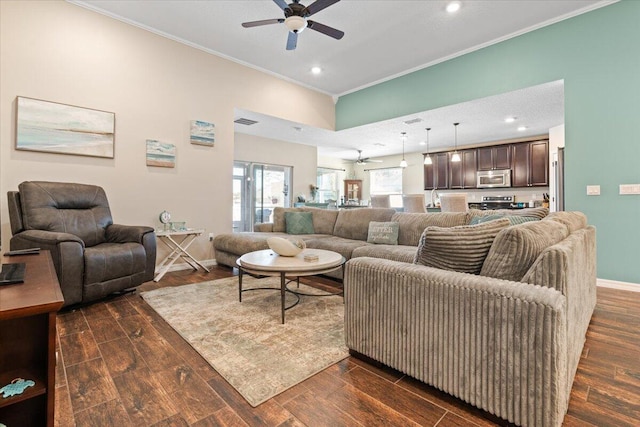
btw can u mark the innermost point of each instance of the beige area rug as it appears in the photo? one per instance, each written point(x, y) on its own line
point(245, 341)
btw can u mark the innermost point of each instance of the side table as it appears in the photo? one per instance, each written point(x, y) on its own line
point(178, 242)
point(28, 341)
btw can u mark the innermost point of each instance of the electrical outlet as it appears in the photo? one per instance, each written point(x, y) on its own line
point(593, 190)
point(629, 189)
point(211, 237)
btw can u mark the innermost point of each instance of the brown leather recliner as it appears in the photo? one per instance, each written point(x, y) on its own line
point(92, 256)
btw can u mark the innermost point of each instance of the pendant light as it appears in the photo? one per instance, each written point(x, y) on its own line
point(427, 158)
point(403, 162)
point(455, 157)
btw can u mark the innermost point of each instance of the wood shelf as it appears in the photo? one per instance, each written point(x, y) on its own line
point(27, 341)
point(38, 389)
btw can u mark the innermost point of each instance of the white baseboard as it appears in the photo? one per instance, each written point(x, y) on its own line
point(625, 286)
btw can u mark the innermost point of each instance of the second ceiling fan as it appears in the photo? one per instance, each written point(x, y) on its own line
point(364, 160)
point(295, 18)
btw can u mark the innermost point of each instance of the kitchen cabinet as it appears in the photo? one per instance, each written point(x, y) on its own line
point(463, 173)
point(496, 157)
point(27, 341)
point(353, 189)
point(436, 175)
point(530, 164)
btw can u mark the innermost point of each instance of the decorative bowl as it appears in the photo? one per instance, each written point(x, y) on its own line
point(285, 247)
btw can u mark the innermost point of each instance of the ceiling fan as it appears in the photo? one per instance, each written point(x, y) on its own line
point(295, 18)
point(364, 160)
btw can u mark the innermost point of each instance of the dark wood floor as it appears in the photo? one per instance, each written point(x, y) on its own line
point(121, 364)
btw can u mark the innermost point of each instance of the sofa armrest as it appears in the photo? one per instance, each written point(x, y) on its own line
point(42, 239)
point(498, 345)
point(118, 233)
point(263, 227)
point(67, 253)
point(146, 236)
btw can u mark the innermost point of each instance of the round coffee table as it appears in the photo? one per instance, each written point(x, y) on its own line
point(269, 263)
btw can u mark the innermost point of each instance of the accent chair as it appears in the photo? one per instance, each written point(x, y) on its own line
point(454, 202)
point(414, 203)
point(92, 256)
point(380, 201)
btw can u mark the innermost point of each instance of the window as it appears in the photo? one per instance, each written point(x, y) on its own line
point(328, 181)
point(387, 181)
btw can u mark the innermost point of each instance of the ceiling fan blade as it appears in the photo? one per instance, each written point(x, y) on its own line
point(281, 4)
point(292, 40)
point(318, 5)
point(321, 28)
point(263, 22)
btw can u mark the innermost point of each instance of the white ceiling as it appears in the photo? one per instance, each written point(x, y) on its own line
point(537, 108)
point(383, 39)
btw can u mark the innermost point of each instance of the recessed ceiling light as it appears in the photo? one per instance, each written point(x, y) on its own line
point(298, 128)
point(510, 119)
point(316, 70)
point(453, 7)
point(522, 128)
point(423, 143)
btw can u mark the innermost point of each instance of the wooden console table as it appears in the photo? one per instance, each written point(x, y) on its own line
point(28, 341)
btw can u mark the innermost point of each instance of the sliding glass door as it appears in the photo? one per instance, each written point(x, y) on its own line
point(258, 189)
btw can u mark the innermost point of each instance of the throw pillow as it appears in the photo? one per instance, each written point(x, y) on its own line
point(462, 248)
point(385, 233)
point(513, 219)
point(517, 248)
point(299, 222)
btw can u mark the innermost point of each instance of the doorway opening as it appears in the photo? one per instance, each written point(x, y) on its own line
point(259, 188)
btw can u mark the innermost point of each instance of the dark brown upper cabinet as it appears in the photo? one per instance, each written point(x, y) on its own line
point(463, 173)
point(496, 157)
point(436, 175)
point(530, 164)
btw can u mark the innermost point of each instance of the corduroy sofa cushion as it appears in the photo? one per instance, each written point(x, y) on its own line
point(354, 223)
point(413, 224)
point(462, 248)
point(573, 220)
point(535, 212)
point(323, 219)
point(279, 222)
point(516, 248)
point(513, 219)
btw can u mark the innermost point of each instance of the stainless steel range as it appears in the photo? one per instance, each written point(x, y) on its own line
point(499, 202)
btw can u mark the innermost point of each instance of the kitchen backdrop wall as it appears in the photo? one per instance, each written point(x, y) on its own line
point(597, 56)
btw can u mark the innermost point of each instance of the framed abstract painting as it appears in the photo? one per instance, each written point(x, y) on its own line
point(51, 127)
point(161, 154)
point(202, 133)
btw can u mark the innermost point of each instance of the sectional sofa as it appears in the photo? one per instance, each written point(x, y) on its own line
point(480, 304)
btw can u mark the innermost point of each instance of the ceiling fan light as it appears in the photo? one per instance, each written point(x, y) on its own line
point(295, 23)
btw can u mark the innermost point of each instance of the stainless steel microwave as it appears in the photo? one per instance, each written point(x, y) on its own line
point(494, 178)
